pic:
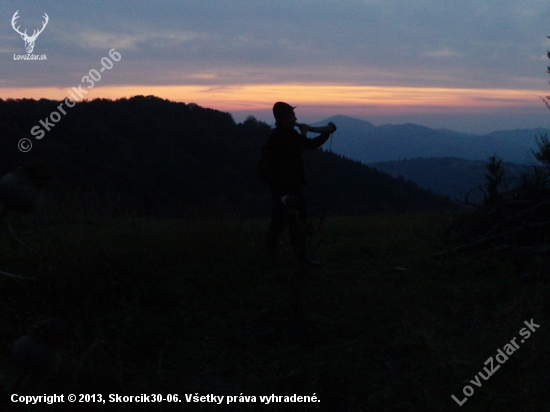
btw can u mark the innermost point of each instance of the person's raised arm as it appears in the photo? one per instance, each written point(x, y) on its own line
point(317, 142)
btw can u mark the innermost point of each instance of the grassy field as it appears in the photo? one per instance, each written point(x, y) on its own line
point(197, 307)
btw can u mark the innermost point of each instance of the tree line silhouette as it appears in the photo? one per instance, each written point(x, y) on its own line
point(176, 159)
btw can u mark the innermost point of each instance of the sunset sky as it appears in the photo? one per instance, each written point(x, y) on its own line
point(472, 66)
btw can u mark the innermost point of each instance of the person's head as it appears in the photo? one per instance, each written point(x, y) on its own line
point(284, 115)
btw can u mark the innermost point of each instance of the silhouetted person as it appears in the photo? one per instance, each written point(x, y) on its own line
point(287, 178)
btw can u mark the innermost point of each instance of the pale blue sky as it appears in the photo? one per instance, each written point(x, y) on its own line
point(422, 43)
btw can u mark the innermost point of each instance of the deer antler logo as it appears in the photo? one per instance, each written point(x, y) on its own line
point(29, 40)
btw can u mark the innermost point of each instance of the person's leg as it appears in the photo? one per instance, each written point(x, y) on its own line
point(297, 221)
point(278, 223)
point(301, 207)
point(299, 230)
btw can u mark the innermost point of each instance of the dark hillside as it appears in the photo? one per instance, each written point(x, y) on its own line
point(448, 176)
point(159, 157)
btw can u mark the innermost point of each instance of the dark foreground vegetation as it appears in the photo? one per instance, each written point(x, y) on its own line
point(513, 219)
point(196, 307)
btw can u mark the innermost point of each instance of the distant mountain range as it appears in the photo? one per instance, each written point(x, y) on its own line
point(361, 140)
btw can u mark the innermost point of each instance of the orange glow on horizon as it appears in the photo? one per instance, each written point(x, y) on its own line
point(262, 96)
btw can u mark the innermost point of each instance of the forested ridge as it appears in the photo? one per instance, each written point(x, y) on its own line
point(178, 159)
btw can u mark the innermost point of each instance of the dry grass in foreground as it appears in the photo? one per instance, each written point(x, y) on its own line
point(196, 306)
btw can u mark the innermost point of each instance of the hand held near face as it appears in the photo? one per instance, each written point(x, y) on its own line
point(329, 128)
